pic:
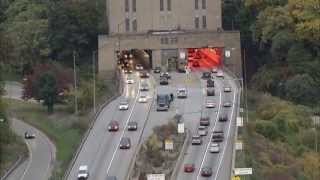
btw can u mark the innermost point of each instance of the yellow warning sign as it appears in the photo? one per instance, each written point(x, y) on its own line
point(236, 178)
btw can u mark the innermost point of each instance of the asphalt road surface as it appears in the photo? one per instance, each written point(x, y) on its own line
point(101, 150)
point(41, 155)
point(199, 155)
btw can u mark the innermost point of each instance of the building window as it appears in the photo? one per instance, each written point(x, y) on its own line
point(196, 22)
point(134, 6)
point(204, 4)
point(196, 4)
point(134, 25)
point(161, 5)
point(169, 5)
point(127, 24)
point(126, 5)
point(204, 22)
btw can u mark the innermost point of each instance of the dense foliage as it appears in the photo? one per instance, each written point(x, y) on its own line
point(283, 39)
point(33, 31)
point(280, 140)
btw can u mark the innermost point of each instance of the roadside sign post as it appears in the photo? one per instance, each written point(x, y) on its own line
point(242, 171)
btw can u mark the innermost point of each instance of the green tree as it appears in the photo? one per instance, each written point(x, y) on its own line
point(302, 88)
point(26, 26)
point(48, 90)
point(311, 165)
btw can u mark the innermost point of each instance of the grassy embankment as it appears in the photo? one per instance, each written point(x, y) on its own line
point(279, 140)
point(62, 127)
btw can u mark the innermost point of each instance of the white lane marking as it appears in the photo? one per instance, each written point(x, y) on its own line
point(210, 139)
point(228, 132)
point(30, 161)
point(124, 129)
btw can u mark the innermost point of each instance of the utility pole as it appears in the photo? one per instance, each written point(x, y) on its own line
point(94, 80)
point(75, 83)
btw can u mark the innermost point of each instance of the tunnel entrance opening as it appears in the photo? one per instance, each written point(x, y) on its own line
point(204, 58)
point(135, 59)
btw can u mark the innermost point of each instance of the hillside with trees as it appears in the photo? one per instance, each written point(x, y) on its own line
point(282, 51)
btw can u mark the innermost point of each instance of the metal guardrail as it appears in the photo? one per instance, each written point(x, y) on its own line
point(120, 91)
point(19, 161)
point(180, 158)
point(236, 128)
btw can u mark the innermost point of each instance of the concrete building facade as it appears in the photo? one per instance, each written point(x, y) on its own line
point(163, 26)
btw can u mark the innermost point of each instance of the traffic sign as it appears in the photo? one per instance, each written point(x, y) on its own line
point(242, 171)
point(239, 121)
point(239, 145)
point(156, 176)
point(181, 128)
point(236, 178)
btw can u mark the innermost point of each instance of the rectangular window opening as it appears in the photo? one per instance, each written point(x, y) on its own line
point(196, 22)
point(161, 5)
point(204, 22)
point(204, 4)
point(169, 5)
point(127, 24)
point(126, 5)
point(196, 4)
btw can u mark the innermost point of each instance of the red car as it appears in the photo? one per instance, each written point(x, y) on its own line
point(188, 168)
point(113, 126)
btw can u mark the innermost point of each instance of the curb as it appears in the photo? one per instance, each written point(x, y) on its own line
point(18, 162)
point(119, 80)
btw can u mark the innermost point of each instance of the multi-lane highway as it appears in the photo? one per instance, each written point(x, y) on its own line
point(199, 155)
point(101, 151)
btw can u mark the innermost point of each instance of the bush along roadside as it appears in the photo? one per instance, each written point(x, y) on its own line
point(279, 140)
point(153, 157)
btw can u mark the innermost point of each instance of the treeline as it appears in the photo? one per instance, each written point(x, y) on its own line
point(37, 31)
point(282, 39)
point(38, 39)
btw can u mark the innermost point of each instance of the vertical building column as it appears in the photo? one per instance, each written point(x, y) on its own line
point(156, 58)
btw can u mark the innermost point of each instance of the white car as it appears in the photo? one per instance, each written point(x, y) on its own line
point(210, 104)
point(182, 93)
point(220, 74)
point(202, 131)
point(130, 81)
point(142, 99)
point(124, 105)
point(227, 89)
point(83, 172)
point(214, 148)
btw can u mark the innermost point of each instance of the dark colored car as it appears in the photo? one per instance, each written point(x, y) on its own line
point(28, 135)
point(144, 74)
point(217, 137)
point(157, 70)
point(223, 118)
point(210, 91)
point(204, 121)
point(165, 74)
point(210, 83)
point(113, 126)
point(206, 172)
point(132, 126)
point(188, 168)
point(164, 81)
point(125, 143)
point(206, 75)
point(127, 71)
